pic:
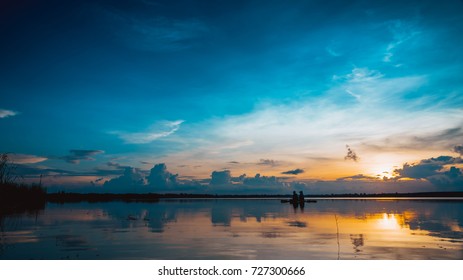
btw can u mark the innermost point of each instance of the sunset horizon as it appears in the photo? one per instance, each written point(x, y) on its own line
point(353, 97)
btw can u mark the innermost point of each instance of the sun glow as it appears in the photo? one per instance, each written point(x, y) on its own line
point(383, 166)
point(382, 170)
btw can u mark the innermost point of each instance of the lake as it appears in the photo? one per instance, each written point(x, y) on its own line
point(237, 229)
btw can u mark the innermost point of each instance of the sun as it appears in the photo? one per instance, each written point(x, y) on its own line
point(382, 166)
point(382, 170)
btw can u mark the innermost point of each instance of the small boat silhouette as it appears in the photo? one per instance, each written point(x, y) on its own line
point(132, 218)
point(297, 201)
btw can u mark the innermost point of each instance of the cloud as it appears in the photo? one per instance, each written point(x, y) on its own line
point(131, 181)
point(458, 149)
point(262, 181)
point(320, 126)
point(159, 177)
point(25, 159)
point(155, 132)
point(28, 171)
point(407, 141)
point(362, 75)
point(333, 52)
point(114, 164)
point(221, 177)
point(443, 160)
point(269, 162)
point(435, 171)
point(234, 162)
point(293, 172)
point(451, 178)
point(7, 113)
point(439, 138)
point(356, 177)
point(402, 32)
point(155, 33)
point(351, 154)
point(77, 155)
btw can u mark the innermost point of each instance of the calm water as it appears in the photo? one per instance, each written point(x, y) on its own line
point(237, 229)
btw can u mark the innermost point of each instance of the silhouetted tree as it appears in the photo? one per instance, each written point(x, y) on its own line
point(6, 170)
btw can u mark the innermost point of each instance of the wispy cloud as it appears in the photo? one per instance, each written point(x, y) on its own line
point(360, 177)
point(332, 51)
point(7, 113)
point(25, 159)
point(76, 156)
point(402, 32)
point(159, 130)
point(155, 33)
point(268, 162)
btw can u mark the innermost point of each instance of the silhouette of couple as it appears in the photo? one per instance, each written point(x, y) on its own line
point(298, 199)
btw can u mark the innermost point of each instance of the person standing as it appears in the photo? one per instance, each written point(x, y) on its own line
point(301, 197)
point(295, 198)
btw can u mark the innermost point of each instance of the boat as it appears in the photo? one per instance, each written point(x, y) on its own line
point(292, 201)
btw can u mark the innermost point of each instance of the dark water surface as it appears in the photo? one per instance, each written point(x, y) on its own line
point(236, 229)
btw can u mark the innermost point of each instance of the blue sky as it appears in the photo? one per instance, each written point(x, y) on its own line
point(91, 91)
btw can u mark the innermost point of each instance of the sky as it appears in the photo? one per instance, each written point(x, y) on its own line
point(233, 96)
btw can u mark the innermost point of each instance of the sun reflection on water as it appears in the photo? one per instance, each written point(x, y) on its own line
point(389, 222)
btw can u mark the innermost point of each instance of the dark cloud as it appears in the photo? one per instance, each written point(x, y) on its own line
point(234, 162)
point(77, 155)
point(351, 154)
point(293, 172)
point(93, 183)
point(426, 167)
point(268, 162)
point(458, 149)
point(159, 177)
point(448, 179)
point(434, 170)
point(221, 177)
point(418, 171)
point(442, 160)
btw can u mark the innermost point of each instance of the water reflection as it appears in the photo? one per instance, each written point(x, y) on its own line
point(236, 229)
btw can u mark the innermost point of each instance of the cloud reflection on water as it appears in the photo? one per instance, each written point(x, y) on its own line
point(237, 229)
